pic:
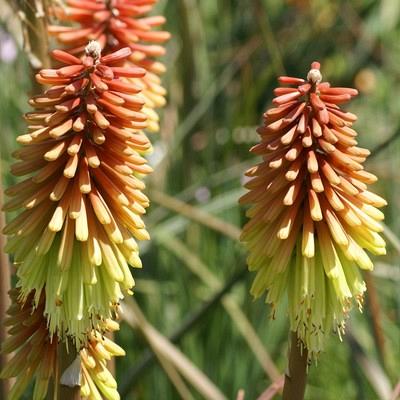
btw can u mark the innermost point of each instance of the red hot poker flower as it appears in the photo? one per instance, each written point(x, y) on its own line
point(82, 200)
point(312, 215)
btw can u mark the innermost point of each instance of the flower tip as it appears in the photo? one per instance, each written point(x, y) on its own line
point(314, 75)
point(316, 65)
point(128, 51)
point(93, 49)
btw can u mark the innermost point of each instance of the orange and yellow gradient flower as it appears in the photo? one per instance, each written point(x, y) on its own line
point(312, 216)
point(82, 197)
point(35, 354)
point(116, 24)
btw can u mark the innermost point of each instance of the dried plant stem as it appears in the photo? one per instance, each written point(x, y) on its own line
point(131, 376)
point(195, 214)
point(396, 392)
point(371, 369)
point(5, 284)
point(296, 375)
point(35, 37)
point(195, 264)
point(272, 390)
point(164, 348)
point(173, 375)
point(376, 316)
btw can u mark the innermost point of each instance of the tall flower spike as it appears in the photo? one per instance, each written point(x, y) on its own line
point(115, 24)
point(35, 354)
point(82, 200)
point(311, 216)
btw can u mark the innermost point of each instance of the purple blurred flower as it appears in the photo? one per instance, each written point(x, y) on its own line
point(8, 48)
point(202, 194)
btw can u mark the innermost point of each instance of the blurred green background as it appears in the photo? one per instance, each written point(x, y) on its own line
point(222, 63)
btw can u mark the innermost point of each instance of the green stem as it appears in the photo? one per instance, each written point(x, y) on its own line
point(296, 374)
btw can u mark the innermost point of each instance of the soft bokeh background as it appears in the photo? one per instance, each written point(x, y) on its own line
point(223, 61)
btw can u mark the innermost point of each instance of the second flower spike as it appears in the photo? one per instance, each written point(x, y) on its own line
point(312, 215)
point(116, 24)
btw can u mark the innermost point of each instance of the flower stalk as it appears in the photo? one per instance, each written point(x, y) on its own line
point(36, 38)
point(312, 216)
point(296, 375)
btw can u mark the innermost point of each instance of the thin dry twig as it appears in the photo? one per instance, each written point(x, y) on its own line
point(132, 375)
point(65, 358)
point(34, 28)
point(240, 395)
point(193, 262)
point(375, 312)
point(396, 392)
point(133, 315)
point(173, 376)
point(391, 237)
point(384, 145)
point(272, 390)
point(195, 214)
point(371, 369)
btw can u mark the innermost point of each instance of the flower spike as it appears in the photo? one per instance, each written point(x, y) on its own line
point(82, 200)
point(312, 216)
point(116, 24)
